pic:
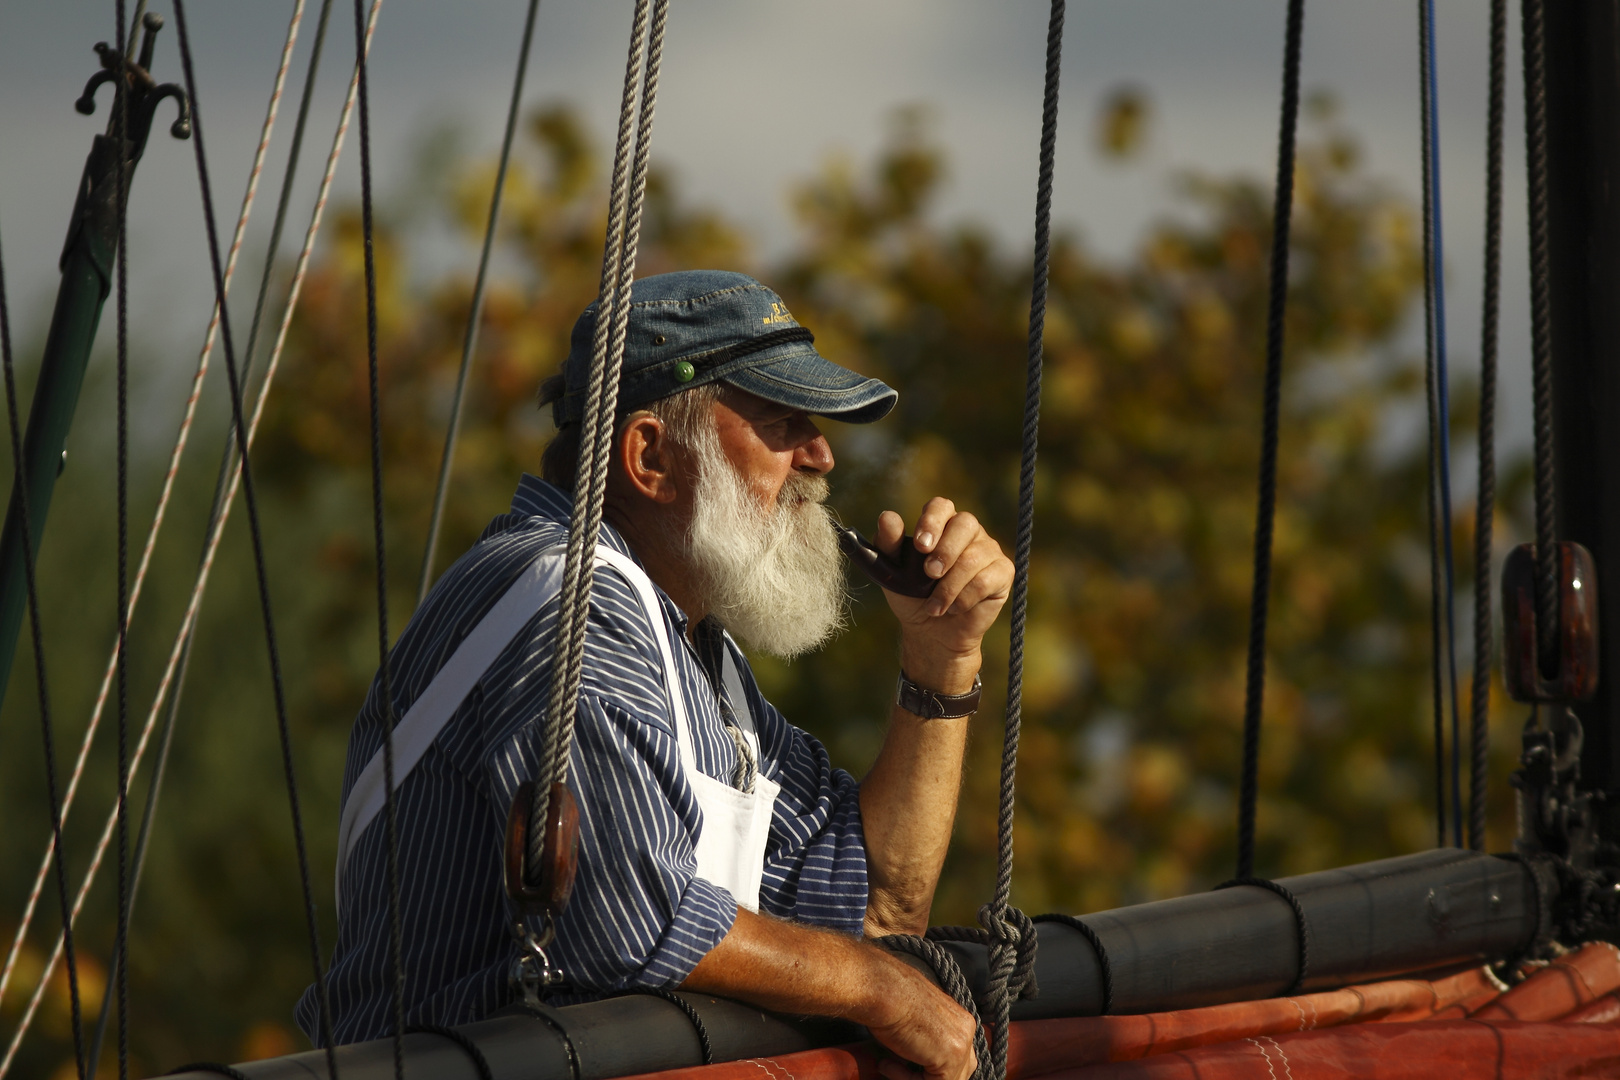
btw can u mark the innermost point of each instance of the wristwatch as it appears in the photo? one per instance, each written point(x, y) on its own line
point(933, 705)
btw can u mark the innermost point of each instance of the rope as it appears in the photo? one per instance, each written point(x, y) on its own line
point(954, 983)
point(251, 502)
point(469, 343)
point(1095, 941)
point(168, 485)
point(1535, 154)
point(227, 474)
point(211, 547)
point(596, 433)
point(1442, 590)
point(121, 942)
point(1265, 514)
point(142, 840)
point(1007, 933)
point(461, 1039)
point(1485, 501)
point(295, 154)
point(691, 1014)
point(1302, 925)
point(395, 935)
point(42, 686)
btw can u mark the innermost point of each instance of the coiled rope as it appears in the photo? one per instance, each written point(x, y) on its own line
point(469, 341)
point(469, 1047)
point(695, 1018)
point(251, 501)
point(626, 193)
point(1485, 500)
point(1265, 514)
point(1437, 386)
point(1535, 155)
point(1104, 965)
point(152, 534)
point(1302, 925)
point(953, 982)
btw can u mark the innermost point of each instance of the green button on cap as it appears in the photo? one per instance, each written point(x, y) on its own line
point(684, 371)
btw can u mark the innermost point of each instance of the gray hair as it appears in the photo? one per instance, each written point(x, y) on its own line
point(683, 415)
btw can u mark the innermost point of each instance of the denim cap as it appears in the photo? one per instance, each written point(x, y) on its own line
point(701, 326)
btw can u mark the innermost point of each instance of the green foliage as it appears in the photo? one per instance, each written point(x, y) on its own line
point(1139, 607)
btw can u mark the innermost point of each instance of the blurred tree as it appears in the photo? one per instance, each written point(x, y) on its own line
point(1123, 122)
point(1134, 687)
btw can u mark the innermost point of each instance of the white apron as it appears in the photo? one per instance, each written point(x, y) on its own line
point(735, 829)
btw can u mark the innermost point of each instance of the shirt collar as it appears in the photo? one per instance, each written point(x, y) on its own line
point(542, 499)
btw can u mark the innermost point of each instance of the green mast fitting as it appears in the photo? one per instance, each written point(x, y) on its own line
point(87, 277)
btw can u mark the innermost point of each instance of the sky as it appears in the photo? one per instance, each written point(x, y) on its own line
point(754, 94)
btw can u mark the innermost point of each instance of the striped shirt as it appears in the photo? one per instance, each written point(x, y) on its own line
point(640, 916)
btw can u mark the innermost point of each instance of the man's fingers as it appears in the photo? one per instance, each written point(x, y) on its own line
point(891, 526)
point(968, 566)
point(981, 573)
point(961, 531)
point(987, 586)
point(936, 513)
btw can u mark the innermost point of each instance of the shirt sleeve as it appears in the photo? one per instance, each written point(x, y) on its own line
point(639, 915)
point(815, 863)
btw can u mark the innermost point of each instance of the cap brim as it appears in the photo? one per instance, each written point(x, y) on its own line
point(804, 379)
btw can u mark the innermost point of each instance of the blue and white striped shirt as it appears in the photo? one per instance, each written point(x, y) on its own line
point(640, 916)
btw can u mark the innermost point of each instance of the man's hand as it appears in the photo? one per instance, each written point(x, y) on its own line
point(794, 968)
point(939, 636)
point(930, 1030)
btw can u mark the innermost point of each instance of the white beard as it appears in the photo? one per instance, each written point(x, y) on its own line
point(774, 577)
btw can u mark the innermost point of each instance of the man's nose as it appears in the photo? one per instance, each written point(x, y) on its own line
point(814, 456)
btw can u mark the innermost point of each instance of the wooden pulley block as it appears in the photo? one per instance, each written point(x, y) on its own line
point(1574, 676)
point(554, 878)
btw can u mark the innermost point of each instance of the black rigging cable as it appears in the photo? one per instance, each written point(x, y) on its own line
point(251, 502)
point(1437, 386)
point(1535, 155)
point(142, 839)
point(1276, 311)
point(221, 486)
point(121, 950)
point(1008, 949)
point(469, 342)
point(1009, 935)
point(47, 731)
point(1485, 501)
point(384, 676)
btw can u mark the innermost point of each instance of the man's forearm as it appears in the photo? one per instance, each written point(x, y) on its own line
point(789, 967)
point(908, 805)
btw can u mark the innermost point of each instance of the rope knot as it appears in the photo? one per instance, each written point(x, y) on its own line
point(1009, 936)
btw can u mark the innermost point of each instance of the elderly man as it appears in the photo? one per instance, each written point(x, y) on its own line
point(719, 849)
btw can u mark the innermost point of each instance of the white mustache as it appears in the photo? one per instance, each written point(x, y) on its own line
point(773, 576)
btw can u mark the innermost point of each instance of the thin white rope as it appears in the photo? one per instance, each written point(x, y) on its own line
point(212, 546)
point(175, 455)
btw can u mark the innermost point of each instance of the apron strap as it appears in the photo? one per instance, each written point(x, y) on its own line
point(536, 587)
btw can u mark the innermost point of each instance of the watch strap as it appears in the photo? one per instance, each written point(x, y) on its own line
point(933, 705)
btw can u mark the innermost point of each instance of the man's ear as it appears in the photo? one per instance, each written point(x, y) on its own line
point(646, 456)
